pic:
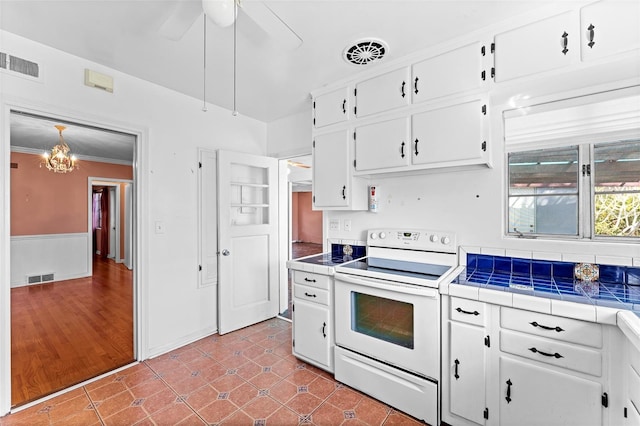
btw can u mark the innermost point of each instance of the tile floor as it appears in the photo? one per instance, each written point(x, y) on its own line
point(248, 377)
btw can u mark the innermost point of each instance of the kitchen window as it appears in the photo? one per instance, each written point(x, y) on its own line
point(582, 191)
point(573, 167)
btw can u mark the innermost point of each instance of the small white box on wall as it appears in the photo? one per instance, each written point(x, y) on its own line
point(100, 81)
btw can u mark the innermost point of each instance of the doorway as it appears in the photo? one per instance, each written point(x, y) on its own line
point(304, 231)
point(72, 313)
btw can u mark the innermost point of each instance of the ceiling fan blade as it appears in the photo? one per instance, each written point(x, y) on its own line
point(181, 19)
point(271, 23)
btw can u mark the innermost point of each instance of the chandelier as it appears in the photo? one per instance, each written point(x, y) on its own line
point(59, 160)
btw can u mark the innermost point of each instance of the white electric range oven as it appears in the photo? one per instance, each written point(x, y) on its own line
point(387, 318)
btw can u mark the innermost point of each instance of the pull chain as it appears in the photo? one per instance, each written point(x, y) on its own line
point(204, 61)
point(235, 48)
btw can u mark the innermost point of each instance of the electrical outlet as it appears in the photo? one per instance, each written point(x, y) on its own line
point(347, 225)
point(334, 225)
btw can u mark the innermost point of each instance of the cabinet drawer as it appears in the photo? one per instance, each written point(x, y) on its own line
point(313, 280)
point(554, 327)
point(311, 294)
point(552, 352)
point(469, 311)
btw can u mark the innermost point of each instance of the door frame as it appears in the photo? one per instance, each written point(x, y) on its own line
point(140, 234)
point(111, 183)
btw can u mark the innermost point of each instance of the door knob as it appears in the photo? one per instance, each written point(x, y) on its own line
point(226, 252)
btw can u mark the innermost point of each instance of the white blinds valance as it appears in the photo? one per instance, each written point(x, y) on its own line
point(604, 117)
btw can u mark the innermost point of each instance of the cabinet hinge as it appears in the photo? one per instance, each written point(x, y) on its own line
point(199, 267)
point(486, 413)
point(314, 198)
point(314, 121)
point(487, 341)
point(293, 343)
point(484, 110)
point(314, 104)
point(199, 164)
point(586, 170)
point(354, 164)
point(605, 400)
point(482, 50)
point(493, 72)
point(355, 110)
point(313, 144)
point(483, 75)
point(493, 47)
point(354, 135)
point(484, 146)
point(355, 92)
point(293, 306)
point(625, 412)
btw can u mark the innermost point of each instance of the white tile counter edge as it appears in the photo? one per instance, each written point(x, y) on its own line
point(629, 324)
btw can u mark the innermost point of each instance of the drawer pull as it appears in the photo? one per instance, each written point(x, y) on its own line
point(555, 355)
point(508, 398)
point(309, 281)
point(309, 295)
point(462, 311)
point(544, 327)
point(455, 371)
point(324, 325)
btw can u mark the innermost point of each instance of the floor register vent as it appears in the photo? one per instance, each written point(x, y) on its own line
point(35, 279)
point(19, 65)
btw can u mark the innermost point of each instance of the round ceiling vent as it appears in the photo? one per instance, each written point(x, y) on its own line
point(365, 51)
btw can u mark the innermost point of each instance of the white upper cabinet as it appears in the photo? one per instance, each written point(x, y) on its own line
point(334, 187)
point(608, 28)
point(452, 134)
point(383, 93)
point(537, 47)
point(456, 71)
point(331, 108)
point(383, 145)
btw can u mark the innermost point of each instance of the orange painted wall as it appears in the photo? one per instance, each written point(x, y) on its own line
point(295, 223)
point(43, 202)
point(309, 220)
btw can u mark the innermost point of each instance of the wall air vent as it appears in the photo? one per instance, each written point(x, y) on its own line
point(365, 51)
point(19, 65)
point(35, 279)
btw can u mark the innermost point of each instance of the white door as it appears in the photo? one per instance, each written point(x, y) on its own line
point(248, 259)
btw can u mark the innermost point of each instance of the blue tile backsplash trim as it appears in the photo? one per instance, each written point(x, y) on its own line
point(618, 287)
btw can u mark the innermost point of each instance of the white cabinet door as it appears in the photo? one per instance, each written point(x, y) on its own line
point(608, 28)
point(456, 71)
point(330, 170)
point(384, 92)
point(534, 48)
point(632, 416)
point(450, 134)
point(331, 108)
point(383, 145)
point(467, 371)
point(539, 396)
point(311, 332)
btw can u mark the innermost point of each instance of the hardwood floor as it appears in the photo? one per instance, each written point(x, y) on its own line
point(69, 331)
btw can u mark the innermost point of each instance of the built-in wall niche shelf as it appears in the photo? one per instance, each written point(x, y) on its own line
point(249, 203)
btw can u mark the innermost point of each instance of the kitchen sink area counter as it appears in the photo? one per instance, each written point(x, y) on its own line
point(533, 334)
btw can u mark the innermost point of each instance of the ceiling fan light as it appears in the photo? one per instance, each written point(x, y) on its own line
point(221, 12)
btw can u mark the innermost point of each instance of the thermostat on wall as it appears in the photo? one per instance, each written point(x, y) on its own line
point(101, 81)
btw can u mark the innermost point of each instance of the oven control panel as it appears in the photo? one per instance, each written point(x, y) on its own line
point(414, 239)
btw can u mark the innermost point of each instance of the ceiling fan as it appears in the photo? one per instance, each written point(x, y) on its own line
point(223, 14)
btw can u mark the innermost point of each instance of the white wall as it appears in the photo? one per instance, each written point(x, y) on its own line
point(172, 126)
point(290, 136)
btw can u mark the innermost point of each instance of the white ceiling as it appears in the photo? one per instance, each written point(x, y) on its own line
point(273, 81)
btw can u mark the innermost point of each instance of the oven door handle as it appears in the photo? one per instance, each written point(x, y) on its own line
point(382, 285)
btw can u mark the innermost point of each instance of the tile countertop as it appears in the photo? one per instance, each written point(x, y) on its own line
point(549, 287)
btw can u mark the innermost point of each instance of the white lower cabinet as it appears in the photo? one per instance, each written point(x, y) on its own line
point(535, 395)
point(631, 411)
point(467, 376)
point(311, 334)
point(313, 339)
point(506, 366)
